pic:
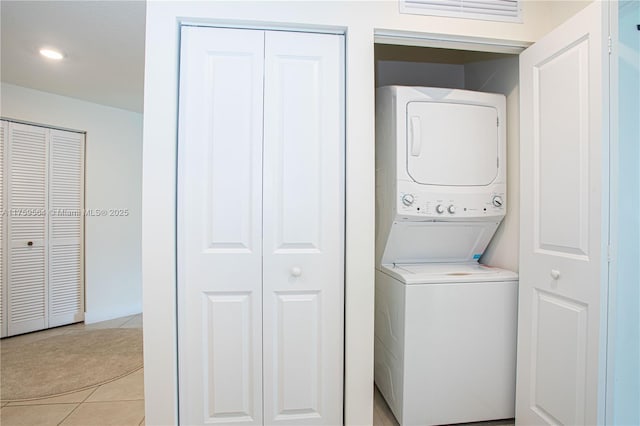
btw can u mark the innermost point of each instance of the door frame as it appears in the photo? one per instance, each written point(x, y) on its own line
point(613, 226)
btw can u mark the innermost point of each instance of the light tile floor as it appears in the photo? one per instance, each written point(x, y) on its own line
point(118, 403)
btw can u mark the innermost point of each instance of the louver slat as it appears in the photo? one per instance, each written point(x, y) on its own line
point(499, 10)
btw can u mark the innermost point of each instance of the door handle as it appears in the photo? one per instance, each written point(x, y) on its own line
point(296, 271)
point(30, 243)
point(555, 274)
point(416, 137)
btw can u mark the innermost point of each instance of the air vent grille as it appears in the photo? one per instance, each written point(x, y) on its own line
point(493, 10)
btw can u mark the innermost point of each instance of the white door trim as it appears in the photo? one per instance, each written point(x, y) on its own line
point(448, 41)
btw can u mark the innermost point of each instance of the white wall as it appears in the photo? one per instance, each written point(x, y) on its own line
point(419, 74)
point(113, 168)
point(501, 76)
point(359, 20)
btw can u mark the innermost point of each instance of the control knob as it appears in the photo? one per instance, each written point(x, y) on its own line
point(451, 209)
point(440, 209)
point(408, 199)
point(497, 201)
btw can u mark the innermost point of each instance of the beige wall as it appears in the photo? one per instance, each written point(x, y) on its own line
point(359, 20)
point(501, 76)
point(561, 10)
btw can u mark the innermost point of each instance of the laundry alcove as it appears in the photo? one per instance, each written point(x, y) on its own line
point(554, 235)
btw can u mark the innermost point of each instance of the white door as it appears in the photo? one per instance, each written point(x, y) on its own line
point(220, 226)
point(260, 227)
point(27, 230)
point(66, 189)
point(563, 132)
point(3, 231)
point(303, 229)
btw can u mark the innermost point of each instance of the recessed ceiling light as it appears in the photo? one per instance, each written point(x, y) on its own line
point(51, 54)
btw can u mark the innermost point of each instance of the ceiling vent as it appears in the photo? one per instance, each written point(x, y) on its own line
point(491, 10)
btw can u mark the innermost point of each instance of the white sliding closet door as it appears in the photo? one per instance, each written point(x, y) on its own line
point(260, 227)
point(303, 229)
point(66, 289)
point(220, 226)
point(27, 205)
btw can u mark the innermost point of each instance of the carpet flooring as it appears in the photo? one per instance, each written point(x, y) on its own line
point(73, 361)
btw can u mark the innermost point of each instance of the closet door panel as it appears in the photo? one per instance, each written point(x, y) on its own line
point(27, 230)
point(303, 228)
point(564, 121)
point(220, 226)
point(66, 281)
point(3, 231)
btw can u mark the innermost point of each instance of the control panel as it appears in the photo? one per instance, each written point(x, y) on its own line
point(432, 205)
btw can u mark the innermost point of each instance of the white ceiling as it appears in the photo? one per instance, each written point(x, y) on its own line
point(103, 42)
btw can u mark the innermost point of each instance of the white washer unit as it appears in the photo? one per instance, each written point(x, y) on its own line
point(445, 347)
point(445, 325)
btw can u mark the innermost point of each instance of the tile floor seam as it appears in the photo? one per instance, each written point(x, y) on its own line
point(112, 400)
point(89, 396)
point(70, 412)
point(26, 410)
point(34, 401)
point(86, 406)
point(127, 322)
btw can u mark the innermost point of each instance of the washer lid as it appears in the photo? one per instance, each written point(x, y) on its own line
point(433, 273)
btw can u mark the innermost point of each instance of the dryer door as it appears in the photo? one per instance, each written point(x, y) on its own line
point(452, 144)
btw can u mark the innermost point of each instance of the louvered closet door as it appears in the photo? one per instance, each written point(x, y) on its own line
point(220, 226)
point(303, 277)
point(27, 230)
point(3, 231)
point(66, 286)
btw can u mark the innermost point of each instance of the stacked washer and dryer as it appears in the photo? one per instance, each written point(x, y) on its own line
point(445, 325)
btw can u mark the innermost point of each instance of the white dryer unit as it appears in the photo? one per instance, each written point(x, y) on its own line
point(440, 173)
point(445, 347)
